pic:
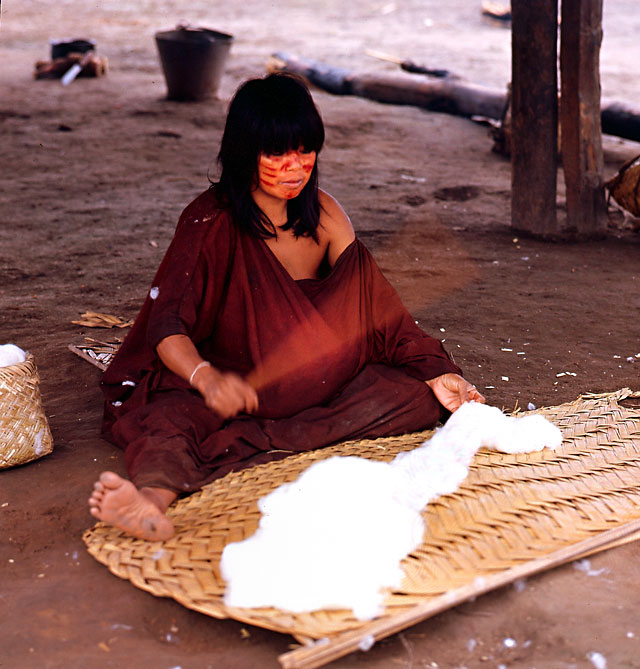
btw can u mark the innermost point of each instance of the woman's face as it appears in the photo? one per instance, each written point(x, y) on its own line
point(284, 175)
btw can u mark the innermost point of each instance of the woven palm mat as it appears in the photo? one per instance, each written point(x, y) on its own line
point(511, 511)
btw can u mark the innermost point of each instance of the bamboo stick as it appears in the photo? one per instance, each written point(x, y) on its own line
point(409, 65)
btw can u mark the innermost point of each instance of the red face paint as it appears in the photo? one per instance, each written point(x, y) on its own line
point(284, 176)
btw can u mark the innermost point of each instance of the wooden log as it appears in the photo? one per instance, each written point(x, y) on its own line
point(618, 118)
point(534, 117)
point(448, 94)
point(580, 39)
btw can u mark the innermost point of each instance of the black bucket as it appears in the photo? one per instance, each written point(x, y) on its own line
point(193, 61)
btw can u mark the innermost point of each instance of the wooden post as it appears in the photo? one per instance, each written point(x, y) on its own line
point(581, 133)
point(534, 156)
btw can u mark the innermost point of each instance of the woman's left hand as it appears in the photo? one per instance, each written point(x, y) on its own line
point(452, 391)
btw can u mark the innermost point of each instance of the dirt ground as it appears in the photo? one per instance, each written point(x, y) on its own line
point(93, 179)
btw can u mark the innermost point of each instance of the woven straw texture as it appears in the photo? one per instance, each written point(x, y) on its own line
point(24, 430)
point(512, 509)
point(624, 187)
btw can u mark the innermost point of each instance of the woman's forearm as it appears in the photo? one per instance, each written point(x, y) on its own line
point(224, 392)
point(180, 355)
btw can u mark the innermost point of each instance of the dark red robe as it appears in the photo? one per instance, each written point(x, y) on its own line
point(333, 358)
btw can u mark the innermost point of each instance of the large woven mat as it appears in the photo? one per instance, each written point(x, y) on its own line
point(515, 514)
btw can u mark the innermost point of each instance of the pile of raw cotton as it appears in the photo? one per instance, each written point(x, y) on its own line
point(10, 354)
point(335, 537)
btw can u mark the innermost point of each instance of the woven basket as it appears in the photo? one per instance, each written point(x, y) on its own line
point(624, 187)
point(24, 430)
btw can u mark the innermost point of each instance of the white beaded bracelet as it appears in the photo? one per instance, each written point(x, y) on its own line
point(200, 365)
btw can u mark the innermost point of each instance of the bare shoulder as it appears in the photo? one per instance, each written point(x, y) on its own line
point(332, 215)
point(335, 226)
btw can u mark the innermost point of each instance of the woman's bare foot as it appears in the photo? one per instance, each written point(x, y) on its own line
point(118, 502)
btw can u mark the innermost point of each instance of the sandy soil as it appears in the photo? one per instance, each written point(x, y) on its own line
point(93, 179)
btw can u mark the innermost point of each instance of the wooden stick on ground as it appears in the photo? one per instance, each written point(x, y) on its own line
point(409, 65)
point(325, 651)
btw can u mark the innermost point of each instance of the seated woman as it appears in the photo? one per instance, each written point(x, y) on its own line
point(268, 329)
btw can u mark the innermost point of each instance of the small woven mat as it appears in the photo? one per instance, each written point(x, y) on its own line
point(24, 429)
point(511, 510)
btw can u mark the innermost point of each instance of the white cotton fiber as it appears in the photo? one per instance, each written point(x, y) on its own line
point(335, 537)
point(440, 465)
point(11, 355)
point(324, 540)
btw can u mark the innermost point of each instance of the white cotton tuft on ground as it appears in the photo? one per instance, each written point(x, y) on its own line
point(598, 660)
point(10, 354)
point(334, 538)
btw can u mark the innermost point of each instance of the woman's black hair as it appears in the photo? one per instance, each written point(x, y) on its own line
point(270, 115)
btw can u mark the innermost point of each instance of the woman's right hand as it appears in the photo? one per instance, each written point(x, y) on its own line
point(224, 392)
